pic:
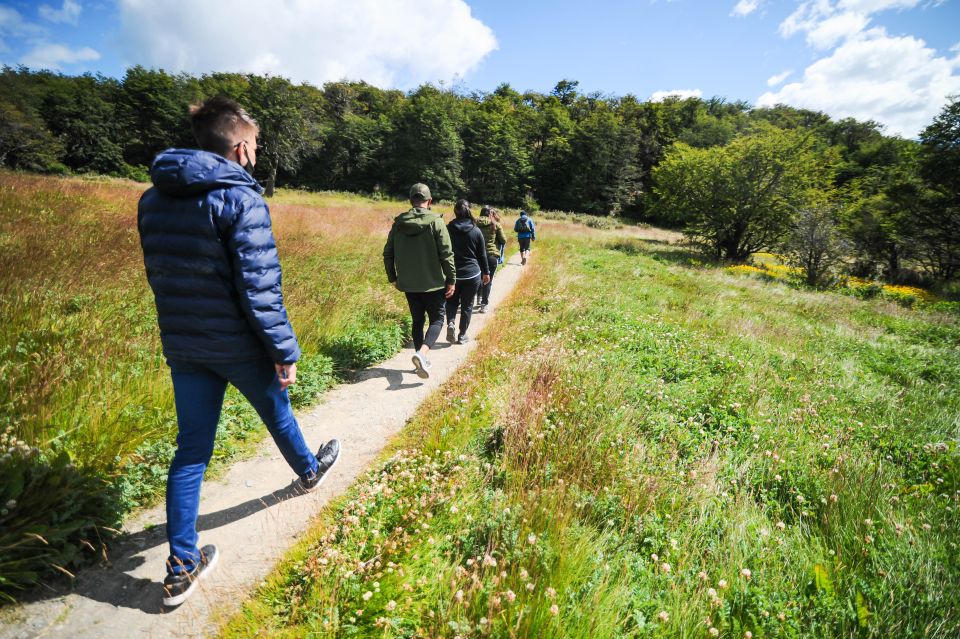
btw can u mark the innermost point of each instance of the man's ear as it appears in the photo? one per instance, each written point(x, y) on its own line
point(234, 155)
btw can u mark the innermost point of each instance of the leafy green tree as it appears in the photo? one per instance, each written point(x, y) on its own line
point(784, 116)
point(884, 204)
point(741, 198)
point(552, 157)
point(496, 163)
point(566, 92)
point(602, 151)
point(82, 113)
point(25, 142)
point(350, 157)
point(937, 232)
point(426, 146)
point(287, 130)
point(153, 105)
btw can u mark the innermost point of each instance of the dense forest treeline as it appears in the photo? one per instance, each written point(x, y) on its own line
point(738, 179)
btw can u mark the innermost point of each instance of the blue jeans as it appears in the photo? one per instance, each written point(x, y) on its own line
point(198, 393)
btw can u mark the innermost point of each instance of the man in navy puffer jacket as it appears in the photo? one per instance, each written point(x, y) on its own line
point(212, 263)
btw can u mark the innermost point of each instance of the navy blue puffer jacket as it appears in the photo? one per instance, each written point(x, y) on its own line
point(212, 262)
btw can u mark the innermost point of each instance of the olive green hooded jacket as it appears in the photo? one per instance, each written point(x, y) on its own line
point(418, 255)
point(492, 234)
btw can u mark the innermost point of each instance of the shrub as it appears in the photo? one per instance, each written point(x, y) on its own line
point(367, 344)
point(52, 515)
point(137, 173)
point(530, 204)
point(814, 246)
point(906, 295)
point(314, 376)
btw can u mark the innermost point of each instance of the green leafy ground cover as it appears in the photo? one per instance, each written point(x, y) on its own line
point(643, 448)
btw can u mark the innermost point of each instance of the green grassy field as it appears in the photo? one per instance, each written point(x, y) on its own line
point(643, 448)
point(84, 381)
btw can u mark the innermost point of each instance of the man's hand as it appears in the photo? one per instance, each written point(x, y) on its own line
point(287, 374)
point(449, 292)
point(485, 279)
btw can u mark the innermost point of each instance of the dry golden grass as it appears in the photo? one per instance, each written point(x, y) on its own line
point(80, 351)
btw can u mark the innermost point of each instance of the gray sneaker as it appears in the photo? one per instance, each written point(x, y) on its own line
point(463, 339)
point(451, 333)
point(482, 309)
point(421, 365)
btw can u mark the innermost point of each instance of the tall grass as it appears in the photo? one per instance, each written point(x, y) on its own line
point(639, 448)
point(80, 357)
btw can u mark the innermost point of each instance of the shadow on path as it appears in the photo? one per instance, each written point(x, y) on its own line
point(110, 583)
point(393, 376)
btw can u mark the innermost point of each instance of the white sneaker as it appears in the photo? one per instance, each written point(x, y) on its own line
point(421, 365)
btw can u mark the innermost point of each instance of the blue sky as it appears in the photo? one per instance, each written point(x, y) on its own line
point(895, 61)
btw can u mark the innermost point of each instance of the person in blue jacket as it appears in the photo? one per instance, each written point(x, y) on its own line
point(212, 263)
point(526, 233)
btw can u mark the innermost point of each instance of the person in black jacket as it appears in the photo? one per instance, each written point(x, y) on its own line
point(212, 263)
point(470, 256)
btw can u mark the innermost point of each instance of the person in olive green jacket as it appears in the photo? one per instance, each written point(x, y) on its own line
point(489, 224)
point(418, 257)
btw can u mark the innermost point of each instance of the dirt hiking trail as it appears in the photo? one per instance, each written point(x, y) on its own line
point(254, 513)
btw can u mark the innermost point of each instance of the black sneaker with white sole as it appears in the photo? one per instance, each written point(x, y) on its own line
point(327, 458)
point(178, 587)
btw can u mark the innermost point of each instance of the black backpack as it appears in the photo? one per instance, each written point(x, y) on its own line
point(523, 225)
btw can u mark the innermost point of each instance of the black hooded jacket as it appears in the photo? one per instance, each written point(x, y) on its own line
point(469, 251)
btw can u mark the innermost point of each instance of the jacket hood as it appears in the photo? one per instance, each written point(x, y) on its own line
point(414, 221)
point(182, 172)
point(462, 225)
point(484, 221)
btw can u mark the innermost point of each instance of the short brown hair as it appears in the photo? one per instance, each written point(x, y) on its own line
point(219, 123)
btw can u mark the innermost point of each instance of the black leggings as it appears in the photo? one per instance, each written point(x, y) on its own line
point(463, 296)
point(430, 304)
point(483, 293)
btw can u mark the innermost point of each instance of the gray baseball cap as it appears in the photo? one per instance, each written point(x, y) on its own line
point(420, 192)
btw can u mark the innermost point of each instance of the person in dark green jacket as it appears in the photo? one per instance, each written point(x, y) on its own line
point(418, 258)
point(489, 224)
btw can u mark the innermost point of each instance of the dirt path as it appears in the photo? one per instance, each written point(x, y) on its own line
point(254, 513)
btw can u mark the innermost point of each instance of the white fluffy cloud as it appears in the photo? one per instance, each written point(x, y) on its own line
point(385, 42)
point(56, 56)
point(69, 12)
point(745, 8)
point(12, 25)
point(660, 96)
point(774, 80)
point(897, 81)
point(828, 22)
point(866, 73)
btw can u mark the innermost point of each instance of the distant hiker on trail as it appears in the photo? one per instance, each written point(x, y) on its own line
point(526, 233)
point(489, 224)
point(418, 258)
point(473, 269)
point(212, 263)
